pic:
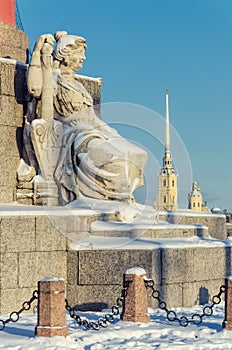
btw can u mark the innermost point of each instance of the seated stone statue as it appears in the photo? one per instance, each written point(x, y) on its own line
point(66, 143)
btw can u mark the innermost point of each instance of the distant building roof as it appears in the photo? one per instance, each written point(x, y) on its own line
point(216, 210)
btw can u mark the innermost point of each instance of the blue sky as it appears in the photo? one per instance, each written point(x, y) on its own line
point(140, 47)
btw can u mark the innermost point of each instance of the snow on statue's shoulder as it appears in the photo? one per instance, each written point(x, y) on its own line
point(138, 271)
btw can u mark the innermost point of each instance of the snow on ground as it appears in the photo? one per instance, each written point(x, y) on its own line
point(157, 334)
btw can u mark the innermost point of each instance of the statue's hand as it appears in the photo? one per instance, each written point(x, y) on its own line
point(44, 47)
point(45, 38)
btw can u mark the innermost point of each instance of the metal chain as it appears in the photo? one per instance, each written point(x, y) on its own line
point(184, 321)
point(107, 318)
point(14, 316)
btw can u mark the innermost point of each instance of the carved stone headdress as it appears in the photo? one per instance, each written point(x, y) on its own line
point(66, 44)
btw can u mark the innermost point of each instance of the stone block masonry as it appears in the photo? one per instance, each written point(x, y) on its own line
point(13, 43)
point(12, 109)
point(32, 246)
point(216, 223)
point(186, 275)
point(13, 93)
point(25, 258)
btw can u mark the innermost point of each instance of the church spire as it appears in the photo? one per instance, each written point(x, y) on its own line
point(167, 160)
point(167, 128)
point(167, 190)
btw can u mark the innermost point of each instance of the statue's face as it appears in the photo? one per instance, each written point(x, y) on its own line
point(77, 58)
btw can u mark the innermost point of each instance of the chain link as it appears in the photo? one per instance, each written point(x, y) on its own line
point(14, 316)
point(107, 318)
point(184, 321)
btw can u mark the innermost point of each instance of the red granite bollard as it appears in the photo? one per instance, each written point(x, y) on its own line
point(51, 308)
point(227, 323)
point(135, 308)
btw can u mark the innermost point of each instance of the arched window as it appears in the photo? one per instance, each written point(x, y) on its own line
point(164, 183)
point(165, 199)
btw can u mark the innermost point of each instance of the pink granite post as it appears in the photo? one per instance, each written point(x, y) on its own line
point(135, 308)
point(227, 323)
point(51, 308)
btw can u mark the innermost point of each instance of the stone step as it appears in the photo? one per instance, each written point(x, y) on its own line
point(160, 230)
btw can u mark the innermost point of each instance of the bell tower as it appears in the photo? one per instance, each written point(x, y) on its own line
point(167, 188)
point(195, 200)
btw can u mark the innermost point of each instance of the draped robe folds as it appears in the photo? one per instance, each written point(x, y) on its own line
point(95, 161)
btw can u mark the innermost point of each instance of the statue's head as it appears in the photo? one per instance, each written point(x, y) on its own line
point(69, 50)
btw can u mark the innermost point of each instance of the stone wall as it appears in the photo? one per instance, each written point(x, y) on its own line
point(156, 231)
point(13, 43)
point(12, 104)
point(35, 243)
point(185, 276)
point(216, 223)
point(31, 248)
point(95, 277)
